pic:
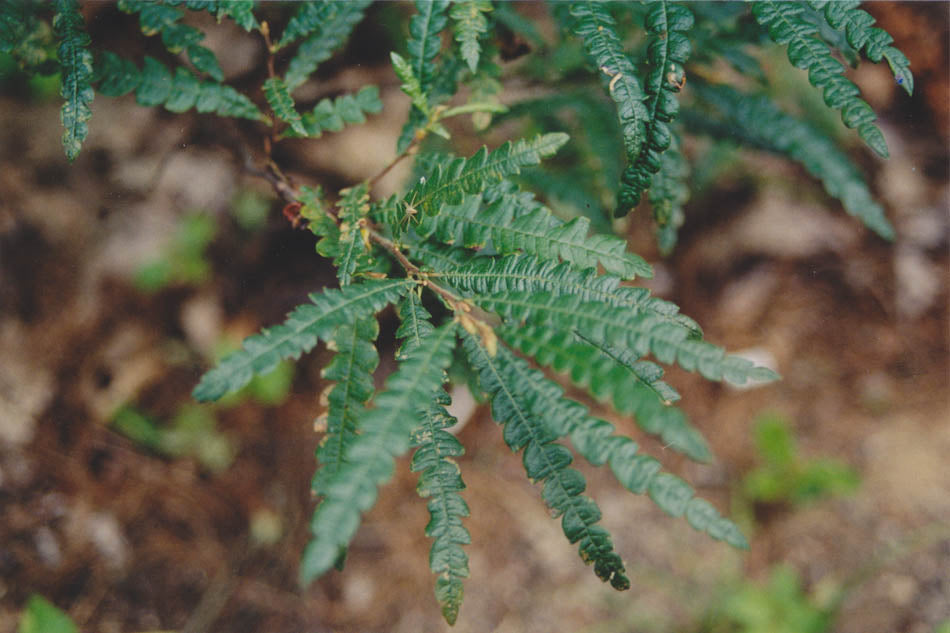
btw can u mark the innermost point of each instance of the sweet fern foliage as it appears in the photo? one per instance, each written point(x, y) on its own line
point(483, 271)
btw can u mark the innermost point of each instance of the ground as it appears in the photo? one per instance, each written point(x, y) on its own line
point(129, 536)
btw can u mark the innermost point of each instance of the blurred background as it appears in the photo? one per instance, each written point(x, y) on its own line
point(126, 274)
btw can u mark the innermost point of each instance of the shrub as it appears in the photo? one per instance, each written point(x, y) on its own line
point(478, 266)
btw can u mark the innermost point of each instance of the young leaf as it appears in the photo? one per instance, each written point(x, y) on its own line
point(467, 176)
point(368, 462)
point(280, 101)
point(470, 25)
point(76, 65)
point(305, 325)
point(785, 24)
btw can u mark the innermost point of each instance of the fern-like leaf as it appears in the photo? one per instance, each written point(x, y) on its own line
point(468, 176)
point(440, 480)
point(527, 425)
point(470, 25)
point(305, 325)
point(532, 393)
point(155, 85)
point(595, 26)
point(639, 333)
point(514, 221)
point(352, 370)
point(353, 207)
point(633, 386)
point(330, 24)
point(478, 275)
point(424, 40)
point(157, 18)
point(278, 97)
point(857, 24)
point(76, 64)
point(26, 38)
point(759, 122)
point(667, 52)
point(786, 25)
point(332, 115)
point(369, 461)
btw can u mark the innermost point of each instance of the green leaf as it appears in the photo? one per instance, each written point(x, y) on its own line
point(184, 93)
point(597, 29)
point(861, 34)
point(667, 53)
point(351, 254)
point(481, 275)
point(280, 101)
point(756, 120)
point(424, 41)
point(634, 386)
point(440, 479)
point(639, 333)
point(331, 115)
point(42, 616)
point(449, 184)
point(385, 433)
point(527, 425)
point(307, 324)
point(76, 67)
point(470, 25)
point(206, 62)
point(116, 76)
point(352, 370)
point(410, 82)
point(785, 24)
point(155, 84)
point(514, 221)
point(330, 24)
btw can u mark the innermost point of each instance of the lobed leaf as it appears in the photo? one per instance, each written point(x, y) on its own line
point(352, 370)
point(634, 386)
point(385, 433)
point(278, 97)
point(328, 24)
point(857, 24)
point(597, 29)
point(332, 115)
point(785, 24)
point(481, 275)
point(305, 325)
point(513, 221)
point(470, 25)
point(450, 183)
point(76, 67)
point(667, 52)
point(638, 333)
point(440, 479)
point(528, 426)
point(669, 191)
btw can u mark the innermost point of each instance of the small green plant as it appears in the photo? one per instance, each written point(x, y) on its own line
point(192, 432)
point(779, 606)
point(42, 616)
point(183, 261)
point(478, 267)
point(784, 476)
